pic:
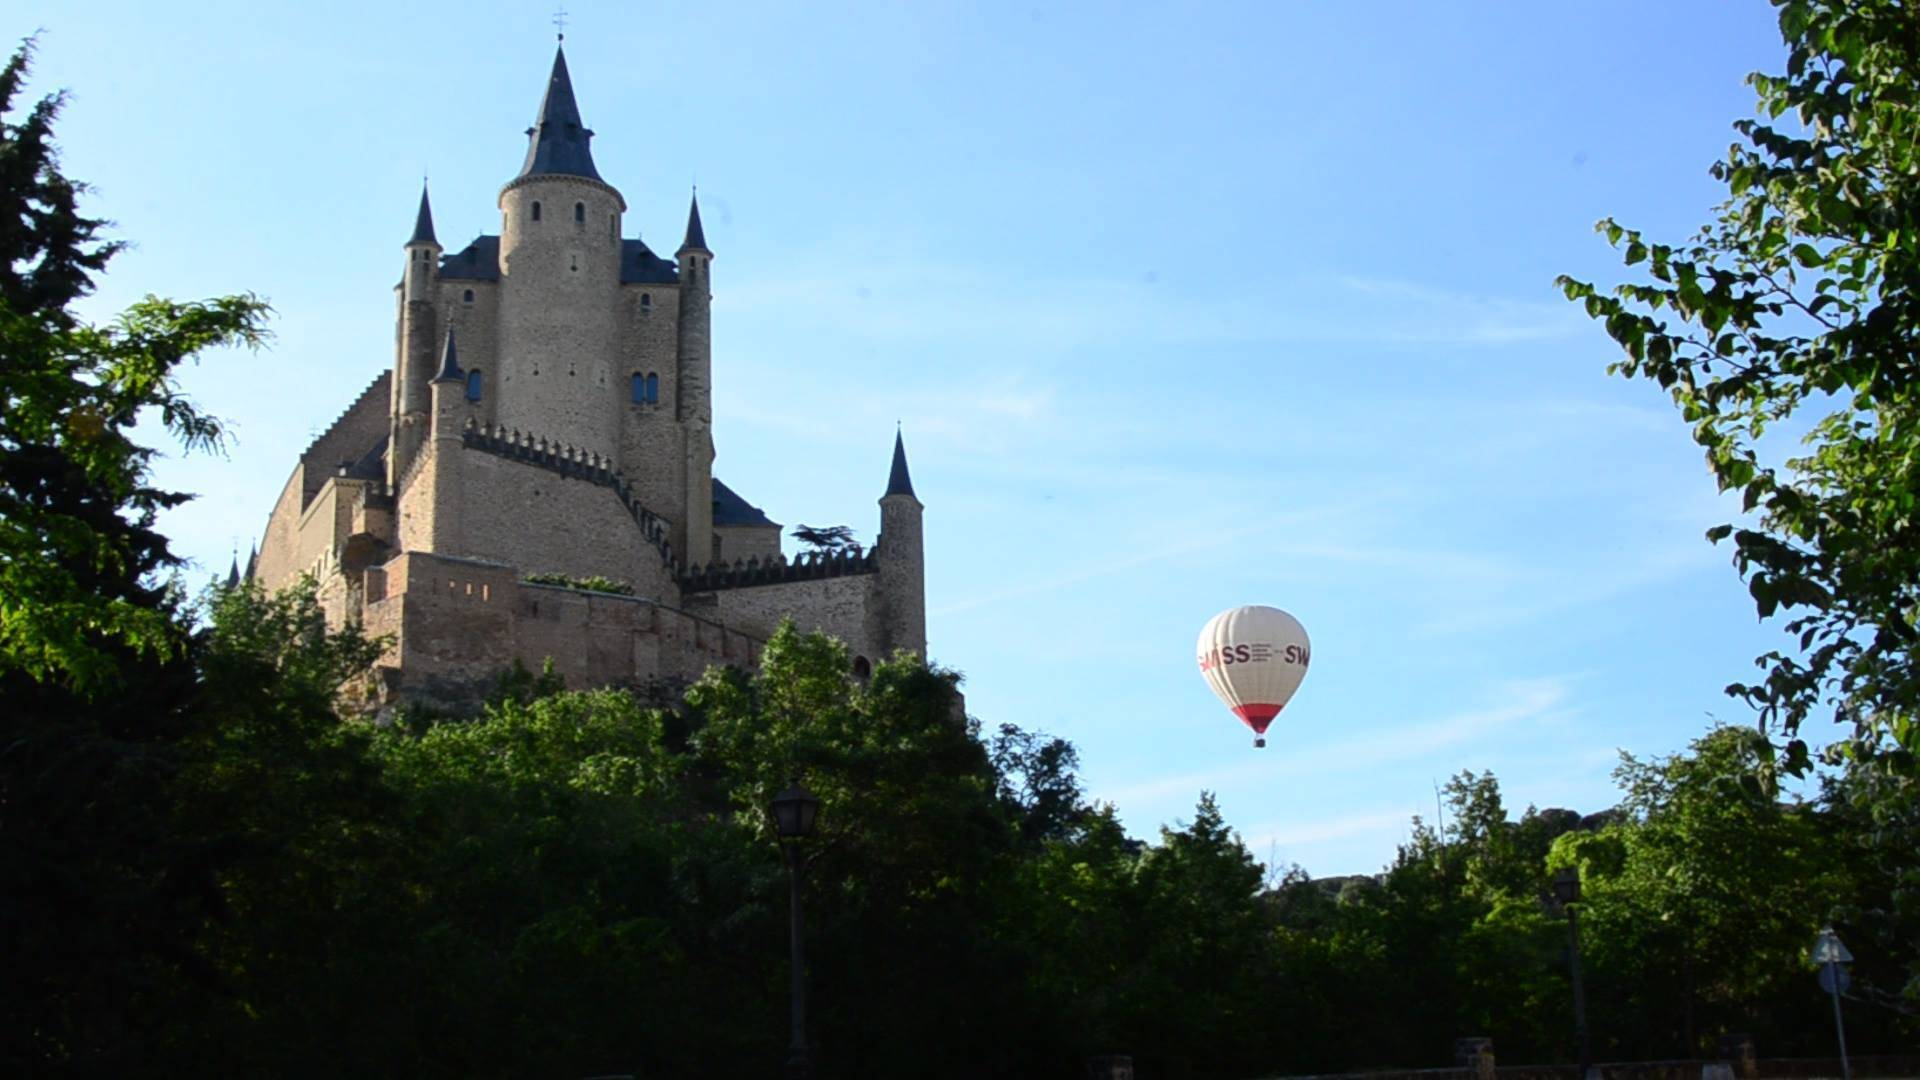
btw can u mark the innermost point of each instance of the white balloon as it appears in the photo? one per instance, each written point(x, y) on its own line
point(1254, 658)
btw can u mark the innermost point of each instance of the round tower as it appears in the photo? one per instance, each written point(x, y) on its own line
point(902, 558)
point(413, 364)
point(447, 429)
point(693, 401)
point(559, 284)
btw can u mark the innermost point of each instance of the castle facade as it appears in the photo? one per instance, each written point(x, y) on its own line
point(549, 412)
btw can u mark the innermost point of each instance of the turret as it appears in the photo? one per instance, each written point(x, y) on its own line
point(450, 413)
point(902, 558)
point(694, 398)
point(418, 333)
point(559, 283)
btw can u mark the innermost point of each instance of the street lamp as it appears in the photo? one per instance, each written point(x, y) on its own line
point(1566, 889)
point(794, 811)
point(1830, 954)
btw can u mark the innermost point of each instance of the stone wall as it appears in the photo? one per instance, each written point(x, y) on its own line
point(290, 545)
point(357, 431)
point(845, 607)
point(476, 329)
point(279, 558)
point(534, 519)
point(457, 624)
point(733, 542)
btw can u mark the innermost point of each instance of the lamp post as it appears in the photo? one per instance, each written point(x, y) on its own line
point(1829, 953)
point(794, 811)
point(1566, 889)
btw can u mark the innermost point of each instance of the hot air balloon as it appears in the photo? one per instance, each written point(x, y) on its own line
point(1254, 658)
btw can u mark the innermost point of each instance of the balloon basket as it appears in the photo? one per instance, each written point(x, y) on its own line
point(1259, 741)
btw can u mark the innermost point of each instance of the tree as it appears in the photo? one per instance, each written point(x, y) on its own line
point(1798, 309)
point(105, 896)
point(827, 538)
point(1702, 900)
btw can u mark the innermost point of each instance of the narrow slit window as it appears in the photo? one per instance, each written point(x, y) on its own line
point(580, 212)
point(536, 210)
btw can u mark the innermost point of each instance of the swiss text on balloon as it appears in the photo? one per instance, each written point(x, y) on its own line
point(1254, 652)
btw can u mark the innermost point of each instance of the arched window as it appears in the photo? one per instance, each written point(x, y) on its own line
point(862, 670)
point(467, 297)
point(580, 212)
point(536, 210)
point(639, 391)
point(473, 385)
point(646, 301)
point(653, 389)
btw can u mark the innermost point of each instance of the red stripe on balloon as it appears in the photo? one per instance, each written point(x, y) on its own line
point(1256, 716)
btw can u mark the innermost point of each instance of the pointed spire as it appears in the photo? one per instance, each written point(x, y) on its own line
point(898, 482)
point(449, 362)
point(233, 572)
point(696, 236)
point(253, 559)
point(423, 221)
point(557, 143)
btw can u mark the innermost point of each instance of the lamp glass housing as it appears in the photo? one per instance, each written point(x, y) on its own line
point(1566, 886)
point(794, 811)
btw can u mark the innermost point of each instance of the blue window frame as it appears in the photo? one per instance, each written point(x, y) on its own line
point(473, 385)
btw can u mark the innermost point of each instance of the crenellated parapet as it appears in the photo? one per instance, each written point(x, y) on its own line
point(811, 566)
point(569, 461)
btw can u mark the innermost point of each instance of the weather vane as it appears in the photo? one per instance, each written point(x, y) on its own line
point(560, 23)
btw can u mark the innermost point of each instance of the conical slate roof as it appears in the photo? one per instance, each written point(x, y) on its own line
point(423, 222)
point(449, 362)
point(558, 142)
point(696, 236)
point(898, 482)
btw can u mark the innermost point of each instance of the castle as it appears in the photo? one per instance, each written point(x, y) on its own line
point(549, 413)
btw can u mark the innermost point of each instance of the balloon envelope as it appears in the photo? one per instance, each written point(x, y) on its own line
point(1254, 658)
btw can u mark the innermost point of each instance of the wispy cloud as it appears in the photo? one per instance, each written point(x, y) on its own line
point(1408, 311)
point(1552, 594)
point(928, 300)
point(1206, 540)
point(1518, 701)
point(1202, 538)
point(1260, 838)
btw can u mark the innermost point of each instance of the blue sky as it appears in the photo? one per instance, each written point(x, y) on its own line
point(1181, 307)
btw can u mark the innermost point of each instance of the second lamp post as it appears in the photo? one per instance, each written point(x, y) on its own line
point(1566, 889)
point(794, 811)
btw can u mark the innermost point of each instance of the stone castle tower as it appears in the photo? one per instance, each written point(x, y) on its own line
point(549, 412)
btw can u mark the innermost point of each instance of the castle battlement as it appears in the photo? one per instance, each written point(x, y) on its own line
point(811, 566)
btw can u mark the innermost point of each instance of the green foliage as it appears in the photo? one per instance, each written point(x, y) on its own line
point(1797, 312)
point(78, 553)
point(594, 583)
point(212, 865)
point(1798, 309)
point(106, 893)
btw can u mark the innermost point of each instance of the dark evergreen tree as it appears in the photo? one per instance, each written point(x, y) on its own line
point(102, 895)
